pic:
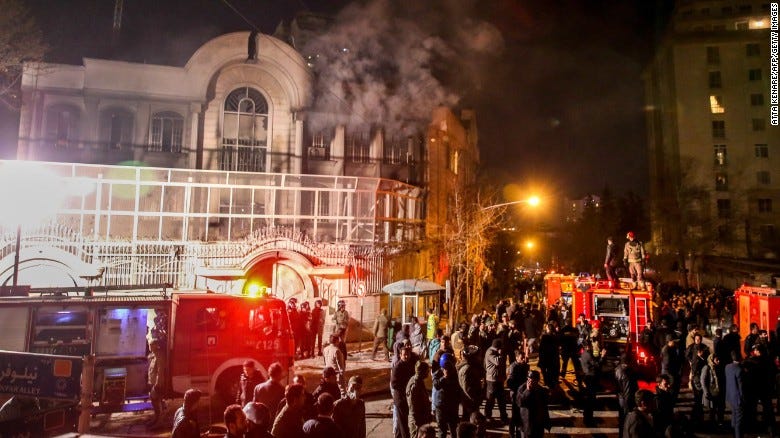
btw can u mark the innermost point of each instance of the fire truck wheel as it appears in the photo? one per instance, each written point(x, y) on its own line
point(227, 385)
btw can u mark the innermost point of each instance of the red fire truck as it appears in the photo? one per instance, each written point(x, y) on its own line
point(620, 314)
point(207, 336)
point(759, 304)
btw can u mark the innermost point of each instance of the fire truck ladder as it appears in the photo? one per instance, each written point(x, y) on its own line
point(641, 316)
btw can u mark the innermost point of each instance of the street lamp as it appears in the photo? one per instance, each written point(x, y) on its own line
point(30, 194)
point(533, 201)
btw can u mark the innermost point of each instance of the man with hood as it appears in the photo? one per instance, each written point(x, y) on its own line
point(417, 398)
point(471, 376)
point(495, 376)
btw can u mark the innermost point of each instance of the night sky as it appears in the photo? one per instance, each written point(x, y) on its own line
point(558, 92)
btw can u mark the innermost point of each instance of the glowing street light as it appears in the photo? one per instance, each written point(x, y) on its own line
point(31, 194)
point(530, 244)
point(533, 201)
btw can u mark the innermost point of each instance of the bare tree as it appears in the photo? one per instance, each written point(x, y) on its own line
point(20, 41)
point(469, 234)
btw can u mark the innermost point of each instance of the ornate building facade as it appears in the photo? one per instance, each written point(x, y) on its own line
point(206, 176)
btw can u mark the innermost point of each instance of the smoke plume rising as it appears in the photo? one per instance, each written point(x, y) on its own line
point(388, 63)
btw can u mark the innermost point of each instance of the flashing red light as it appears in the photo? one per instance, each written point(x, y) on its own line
point(642, 354)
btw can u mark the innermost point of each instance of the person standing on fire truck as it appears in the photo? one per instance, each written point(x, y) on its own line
point(634, 258)
point(611, 259)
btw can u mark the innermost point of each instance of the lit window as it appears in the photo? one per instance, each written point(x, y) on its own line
point(759, 124)
point(166, 132)
point(762, 150)
point(245, 131)
point(454, 157)
point(764, 205)
point(319, 149)
point(756, 99)
point(716, 104)
point(754, 74)
point(116, 128)
point(397, 151)
point(724, 208)
point(359, 149)
point(713, 55)
point(715, 79)
point(762, 177)
point(61, 125)
point(721, 182)
point(718, 128)
point(720, 154)
point(752, 49)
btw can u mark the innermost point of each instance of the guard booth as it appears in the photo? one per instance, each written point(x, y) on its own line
point(756, 304)
point(407, 298)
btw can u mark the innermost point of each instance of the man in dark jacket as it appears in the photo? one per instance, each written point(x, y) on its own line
point(235, 422)
point(271, 392)
point(185, 420)
point(289, 422)
point(611, 260)
point(672, 363)
point(317, 326)
point(532, 401)
point(417, 398)
point(349, 413)
point(590, 368)
point(549, 357)
point(446, 397)
point(323, 425)
point(664, 402)
point(518, 373)
point(627, 387)
point(399, 378)
point(495, 375)
point(734, 394)
point(639, 423)
point(249, 379)
point(328, 383)
point(471, 375)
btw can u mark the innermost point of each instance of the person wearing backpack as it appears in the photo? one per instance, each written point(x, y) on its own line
point(713, 375)
point(634, 259)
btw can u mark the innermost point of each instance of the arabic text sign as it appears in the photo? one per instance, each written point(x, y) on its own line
point(40, 375)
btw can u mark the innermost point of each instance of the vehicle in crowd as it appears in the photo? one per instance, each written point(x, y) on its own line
point(756, 304)
point(205, 337)
point(620, 313)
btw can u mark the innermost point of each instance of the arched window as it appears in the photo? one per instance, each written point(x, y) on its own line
point(166, 132)
point(245, 131)
point(62, 126)
point(116, 128)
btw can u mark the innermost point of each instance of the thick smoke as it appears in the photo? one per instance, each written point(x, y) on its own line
point(386, 63)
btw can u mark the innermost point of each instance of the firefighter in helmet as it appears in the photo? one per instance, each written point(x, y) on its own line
point(318, 326)
point(307, 335)
point(634, 258)
point(341, 321)
point(292, 314)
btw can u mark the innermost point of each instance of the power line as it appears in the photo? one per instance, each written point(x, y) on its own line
point(246, 20)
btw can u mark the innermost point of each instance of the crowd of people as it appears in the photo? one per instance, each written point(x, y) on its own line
point(456, 384)
point(486, 364)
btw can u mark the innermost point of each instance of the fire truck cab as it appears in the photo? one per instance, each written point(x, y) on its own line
point(205, 338)
point(759, 304)
point(620, 314)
